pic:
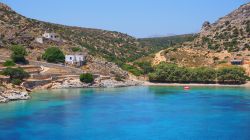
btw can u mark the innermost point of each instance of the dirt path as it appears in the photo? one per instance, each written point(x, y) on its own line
point(159, 58)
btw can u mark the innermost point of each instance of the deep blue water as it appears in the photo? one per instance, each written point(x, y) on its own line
point(135, 113)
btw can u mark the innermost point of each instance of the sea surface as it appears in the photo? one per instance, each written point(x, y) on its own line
point(134, 113)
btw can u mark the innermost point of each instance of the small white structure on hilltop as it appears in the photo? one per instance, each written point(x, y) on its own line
point(77, 60)
point(48, 36)
point(51, 36)
point(39, 40)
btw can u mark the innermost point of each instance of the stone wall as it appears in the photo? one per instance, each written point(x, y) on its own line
point(35, 83)
point(70, 70)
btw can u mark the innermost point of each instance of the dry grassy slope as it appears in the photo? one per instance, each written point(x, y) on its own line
point(17, 29)
point(217, 43)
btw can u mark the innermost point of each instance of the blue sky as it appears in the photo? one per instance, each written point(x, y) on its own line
point(139, 18)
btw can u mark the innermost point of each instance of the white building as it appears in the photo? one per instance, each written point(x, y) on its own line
point(75, 59)
point(39, 40)
point(52, 36)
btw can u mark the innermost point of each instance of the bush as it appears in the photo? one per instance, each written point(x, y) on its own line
point(118, 78)
point(76, 49)
point(135, 71)
point(15, 73)
point(87, 78)
point(16, 81)
point(54, 55)
point(18, 54)
point(231, 75)
point(172, 73)
point(145, 66)
point(9, 63)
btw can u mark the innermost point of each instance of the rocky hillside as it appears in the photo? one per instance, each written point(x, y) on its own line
point(113, 46)
point(217, 43)
point(158, 43)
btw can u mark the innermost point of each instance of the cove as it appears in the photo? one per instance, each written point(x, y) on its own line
point(133, 113)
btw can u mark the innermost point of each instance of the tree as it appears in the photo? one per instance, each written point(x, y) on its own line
point(232, 75)
point(54, 55)
point(145, 66)
point(18, 54)
point(87, 78)
point(16, 74)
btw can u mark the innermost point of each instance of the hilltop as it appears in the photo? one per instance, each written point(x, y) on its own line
point(111, 45)
point(217, 43)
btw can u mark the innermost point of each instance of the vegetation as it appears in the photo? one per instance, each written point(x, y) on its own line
point(146, 67)
point(54, 55)
point(9, 63)
point(118, 78)
point(16, 74)
point(134, 70)
point(235, 75)
point(87, 78)
point(159, 43)
point(76, 49)
point(172, 73)
point(16, 81)
point(248, 26)
point(18, 54)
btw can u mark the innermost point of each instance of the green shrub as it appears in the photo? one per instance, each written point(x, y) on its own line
point(145, 66)
point(15, 73)
point(16, 81)
point(54, 55)
point(76, 49)
point(231, 75)
point(135, 71)
point(118, 78)
point(174, 74)
point(87, 78)
point(18, 54)
point(9, 63)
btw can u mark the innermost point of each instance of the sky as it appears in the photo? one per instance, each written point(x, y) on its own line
point(138, 18)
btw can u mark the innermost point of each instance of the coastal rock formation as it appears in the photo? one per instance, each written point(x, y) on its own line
point(110, 83)
point(12, 95)
point(99, 83)
point(103, 67)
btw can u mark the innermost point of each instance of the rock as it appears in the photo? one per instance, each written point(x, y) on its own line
point(3, 99)
point(16, 95)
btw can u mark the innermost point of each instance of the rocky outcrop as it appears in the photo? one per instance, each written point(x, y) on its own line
point(102, 67)
point(115, 84)
point(99, 83)
point(217, 43)
point(12, 95)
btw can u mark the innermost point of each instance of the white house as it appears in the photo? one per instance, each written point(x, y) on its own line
point(75, 59)
point(39, 40)
point(52, 36)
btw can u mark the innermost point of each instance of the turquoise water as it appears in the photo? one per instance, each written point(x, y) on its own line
point(135, 113)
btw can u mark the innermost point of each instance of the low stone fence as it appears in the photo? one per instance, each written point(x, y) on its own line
point(70, 70)
point(4, 79)
point(35, 83)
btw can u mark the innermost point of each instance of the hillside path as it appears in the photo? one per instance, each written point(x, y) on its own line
point(159, 58)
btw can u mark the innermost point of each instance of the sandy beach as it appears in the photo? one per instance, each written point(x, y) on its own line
point(195, 85)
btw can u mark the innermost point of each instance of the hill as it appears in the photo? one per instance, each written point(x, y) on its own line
point(158, 43)
point(113, 46)
point(217, 43)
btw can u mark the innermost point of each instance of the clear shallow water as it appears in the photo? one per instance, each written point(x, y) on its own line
point(136, 113)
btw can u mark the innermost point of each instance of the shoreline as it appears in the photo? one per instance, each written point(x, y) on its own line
point(247, 85)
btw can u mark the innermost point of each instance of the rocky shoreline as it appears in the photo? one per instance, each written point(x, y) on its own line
point(13, 95)
point(9, 93)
